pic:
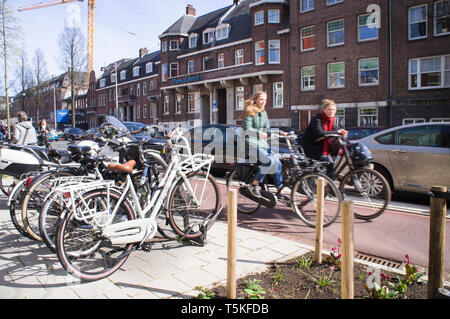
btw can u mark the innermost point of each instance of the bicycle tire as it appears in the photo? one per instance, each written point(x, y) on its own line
point(303, 199)
point(33, 200)
point(184, 217)
point(81, 250)
point(15, 210)
point(244, 205)
point(6, 185)
point(370, 195)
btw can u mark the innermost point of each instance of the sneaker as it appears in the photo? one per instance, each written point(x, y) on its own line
point(283, 197)
point(256, 190)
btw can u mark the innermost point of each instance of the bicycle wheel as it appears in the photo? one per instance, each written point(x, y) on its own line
point(369, 191)
point(7, 183)
point(244, 204)
point(81, 249)
point(304, 199)
point(186, 215)
point(33, 201)
point(15, 209)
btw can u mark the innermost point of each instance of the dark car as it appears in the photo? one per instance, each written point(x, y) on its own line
point(222, 141)
point(355, 133)
point(91, 133)
point(73, 133)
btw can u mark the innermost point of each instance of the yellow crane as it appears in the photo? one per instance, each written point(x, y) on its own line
point(90, 31)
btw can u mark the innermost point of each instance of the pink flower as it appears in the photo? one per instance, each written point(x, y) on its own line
point(406, 259)
point(339, 241)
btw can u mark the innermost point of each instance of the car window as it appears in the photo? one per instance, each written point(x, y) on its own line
point(421, 136)
point(387, 139)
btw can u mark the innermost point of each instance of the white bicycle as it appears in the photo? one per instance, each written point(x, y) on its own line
point(98, 234)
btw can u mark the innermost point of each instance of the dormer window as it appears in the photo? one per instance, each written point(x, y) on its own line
point(113, 78)
point(222, 31)
point(173, 45)
point(163, 46)
point(193, 40)
point(208, 35)
point(123, 74)
point(136, 71)
point(102, 83)
point(149, 67)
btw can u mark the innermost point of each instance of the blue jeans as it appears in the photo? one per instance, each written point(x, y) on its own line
point(271, 164)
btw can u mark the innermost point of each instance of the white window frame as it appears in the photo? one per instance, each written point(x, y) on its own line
point(222, 31)
point(274, 46)
point(149, 67)
point(309, 5)
point(418, 73)
point(328, 75)
point(411, 120)
point(208, 35)
point(258, 50)
point(328, 33)
point(259, 18)
point(138, 89)
point(190, 67)
point(163, 46)
point(359, 72)
point(309, 77)
point(164, 72)
point(309, 36)
point(440, 119)
point(136, 71)
point(193, 40)
point(238, 55)
point(178, 103)
point(123, 74)
point(205, 60)
point(174, 45)
point(166, 105)
point(333, 2)
point(113, 78)
point(191, 102)
point(426, 22)
point(138, 112)
point(174, 67)
point(368, 25)
point(339, 118)
point(361, 116)
point(239, 98)
point(220, 60)
point(144, 111)
point(278, 92)
point(273, 16)
point(102, 83)
point(435, 20)
point(144, 88)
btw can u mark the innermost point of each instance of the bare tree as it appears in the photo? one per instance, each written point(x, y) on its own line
point(24, 75)
point(39, 69)
point(9, 36)
point(73, 59)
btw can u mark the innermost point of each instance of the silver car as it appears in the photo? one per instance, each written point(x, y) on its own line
point(413, 157)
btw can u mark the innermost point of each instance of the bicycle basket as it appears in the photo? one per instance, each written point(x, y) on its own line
point(359, 154)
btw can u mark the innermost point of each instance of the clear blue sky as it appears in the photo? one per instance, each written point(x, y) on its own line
point(121, 26)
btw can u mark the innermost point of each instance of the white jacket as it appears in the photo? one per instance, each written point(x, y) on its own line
point(24, 133)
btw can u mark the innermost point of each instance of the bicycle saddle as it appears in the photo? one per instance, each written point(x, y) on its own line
point(122, 168)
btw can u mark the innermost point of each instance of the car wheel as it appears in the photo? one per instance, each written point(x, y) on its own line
point(383, 171)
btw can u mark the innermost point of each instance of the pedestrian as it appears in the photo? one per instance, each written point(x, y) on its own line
point(43, 129)
point(24, 131)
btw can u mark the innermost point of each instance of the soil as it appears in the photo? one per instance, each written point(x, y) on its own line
point(288, 280)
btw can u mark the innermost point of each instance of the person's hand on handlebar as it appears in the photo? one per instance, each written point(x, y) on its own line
point(342, 132)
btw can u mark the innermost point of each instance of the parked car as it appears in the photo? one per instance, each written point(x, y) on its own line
point(52, 135)
point(412, 157)
point(216, 139)
point(356, 133)
point(90, 134)
point(73, 133)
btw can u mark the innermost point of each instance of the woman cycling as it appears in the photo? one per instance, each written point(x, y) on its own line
point(316, 143)
point(255, 124)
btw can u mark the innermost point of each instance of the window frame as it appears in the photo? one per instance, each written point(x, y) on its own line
point(149, 67)
point(274, 49)
point(238, 57)
point(328, 75)
point(367, 26)
point(123, 74)
point(328, 34)
point(176, 69)
point(426, 22)
point(271, 13)
point(176, 47)
point(360, 116)
point(418, 73)
point(258, 50)
point(309, 88)
point(191, 102)
point(239, 98)
point(193, 38)
point(302, 49)
point(359, 72)
point(190, 64)
point(435, 18)
point(258, 18)
point(220, 60)
point(334, 2)
point(310, 7)
point(277, 91)
point(136, 71)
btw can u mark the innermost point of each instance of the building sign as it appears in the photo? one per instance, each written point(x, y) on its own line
point(186, 80)
point(62, 116)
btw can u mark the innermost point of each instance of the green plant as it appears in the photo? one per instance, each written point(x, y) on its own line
point(205, 293)
point(383, 290)
point(304, 262)
point(278, 277)
point(324, 281)
point(335, 255)
point(254, 289)
point(412, 274)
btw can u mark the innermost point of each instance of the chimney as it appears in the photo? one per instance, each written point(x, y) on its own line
point(142, 52)
point(190, 10)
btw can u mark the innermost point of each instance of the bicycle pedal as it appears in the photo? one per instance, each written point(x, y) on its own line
point(146, 246)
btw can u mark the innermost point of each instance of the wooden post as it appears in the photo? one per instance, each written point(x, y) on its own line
point(438, 210)
point(319, 220)
point(231, 260)
point(347, 282)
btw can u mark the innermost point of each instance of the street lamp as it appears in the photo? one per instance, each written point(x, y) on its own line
point(54, 102)
point(117, 99)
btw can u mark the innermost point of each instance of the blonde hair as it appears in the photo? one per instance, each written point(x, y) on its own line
point(326, 103)
point(21, 116)
point(250, 107)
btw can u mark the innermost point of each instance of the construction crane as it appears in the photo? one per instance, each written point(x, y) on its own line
point(90, 30)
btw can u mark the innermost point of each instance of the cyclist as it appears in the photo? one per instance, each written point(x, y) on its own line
point(316, 143)
point(255, 124)
point(24, 131)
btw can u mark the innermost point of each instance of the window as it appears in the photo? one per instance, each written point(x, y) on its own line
point(306, 5)
point(239, 56)
point(308, 74)
point(205, 63)
point(208, 35)
point(330, 2)
point(239, 98)
point(278, 95)
point(138, 89)
point(273, 16)
point(191, 102)
point(136, 71)
point(335, 33)
point(336, 75)
point(368, 27)
point(123, 74)
point(150, 86)
point(190, 66)
point(113, 78)
point(221, 60)
point(368, 72)
point(138, 112)
point(368, 116)
point(274, 51)
point(429, 72)
point(222, 31)
point(164, 46)
point(441, 119)
point(166, 105)
point(173, 45)
point(102, 82)
point(178, 103)
point(193, 40)
point(173, 70)
point(423, 135)
point(144, 111)
point(144, 88)
point(407, 121)
point(339, 118)
point(259, 52)
point(149, 67)
point(441, 17)
point(259, 17)
point(164, 72)
point(417, 18)
point(307, 39)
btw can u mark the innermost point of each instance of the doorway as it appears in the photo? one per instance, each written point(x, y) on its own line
point(222, 106)
point(206, 109)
